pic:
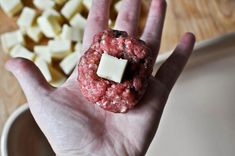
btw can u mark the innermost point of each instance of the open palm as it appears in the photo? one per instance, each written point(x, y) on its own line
point(71, 124)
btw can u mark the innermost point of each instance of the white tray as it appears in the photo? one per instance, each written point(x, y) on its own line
point(199, 118)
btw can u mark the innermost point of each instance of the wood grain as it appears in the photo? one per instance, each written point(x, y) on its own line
point(11, 96)
point(205, 18)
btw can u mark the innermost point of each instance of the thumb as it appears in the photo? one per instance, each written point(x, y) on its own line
point(29, 76)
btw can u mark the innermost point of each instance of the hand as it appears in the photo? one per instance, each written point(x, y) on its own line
point(71, 124)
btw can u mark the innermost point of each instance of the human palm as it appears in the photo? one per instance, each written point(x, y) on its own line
point(74, 126)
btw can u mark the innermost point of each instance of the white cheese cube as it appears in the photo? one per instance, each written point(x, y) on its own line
point(49, 26)
point(57, 78)
point(71, 8)
point(66, 33)
point(87, 4)
point(44, 68)
point(60, 2)
point(54, 13)
point(78, 47)
point(44, 4)
point(71, 34)
point(11, 7)
point(20, 51)
point(77, 35)
point(117, 6)
point(22, 31)
point(111, 68)
point(34, 33)
point(60, 48)
point(78, 21)
point(43, 52)
point(69, 62)
point(11, 39)
point(26, 18)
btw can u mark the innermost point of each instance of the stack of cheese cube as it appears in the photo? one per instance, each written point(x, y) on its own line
point(60, 22)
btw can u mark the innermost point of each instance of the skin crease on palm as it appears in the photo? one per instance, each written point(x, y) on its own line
point(75, 127)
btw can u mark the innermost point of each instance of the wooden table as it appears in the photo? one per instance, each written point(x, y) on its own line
point(205, 18)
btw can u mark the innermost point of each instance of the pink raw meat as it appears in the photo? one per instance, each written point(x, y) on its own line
point(109, 95)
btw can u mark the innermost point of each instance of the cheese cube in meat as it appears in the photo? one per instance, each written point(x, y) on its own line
point(87, 4)
point(71, 8)
point(69, 62)
point(44, 68)
point(20, 51)
point(11, 7)
point(43, 52)
point(11, 39)
point(27, 17)
point(34, 33)
point(44, 4)
point(71, 34)
point(60, 48)
point(49, 26)
point(111, 68)
point(78, 21)
point(54, 13)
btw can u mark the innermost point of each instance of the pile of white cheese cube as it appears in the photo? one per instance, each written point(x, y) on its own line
point(60, 22)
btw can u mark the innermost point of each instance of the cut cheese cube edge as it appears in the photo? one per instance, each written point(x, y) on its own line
point(54, 13)
point(21, 51)
point(27, 17)
point(60, 48)
point(78, 47)
point(69, 62)
point(44, 53)
point(49, 26)
point(10, 39)
point(60, 2)
point(78, 21)
point(34, 33)
point(44, 68)
point(117, 6)
point(57, 78)
point(44, 4)
point(11, 7)
point(87, 4)
point(71, 34)
point(71, 8)
point(111, 68)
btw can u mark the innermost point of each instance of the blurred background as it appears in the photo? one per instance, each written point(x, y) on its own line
point(205, 18)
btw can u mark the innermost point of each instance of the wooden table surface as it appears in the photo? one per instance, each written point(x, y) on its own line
point(205, 18)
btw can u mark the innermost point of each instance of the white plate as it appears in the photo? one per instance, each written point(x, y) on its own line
point(199, 118)
point(22, 137)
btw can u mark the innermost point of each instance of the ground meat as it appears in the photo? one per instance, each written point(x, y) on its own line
point(109, 95)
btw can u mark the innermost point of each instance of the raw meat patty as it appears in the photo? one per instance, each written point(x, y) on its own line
point(109, 95)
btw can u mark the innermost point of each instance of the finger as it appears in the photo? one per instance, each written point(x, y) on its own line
point(173, 66)
point(28, 75)
point(97, 20)
point(154, 25)
point(128, 17)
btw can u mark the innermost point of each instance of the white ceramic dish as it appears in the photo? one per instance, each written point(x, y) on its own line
point(198, 119)
point(22, 137)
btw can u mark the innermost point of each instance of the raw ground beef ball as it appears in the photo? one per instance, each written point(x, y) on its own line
point(109, 95)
